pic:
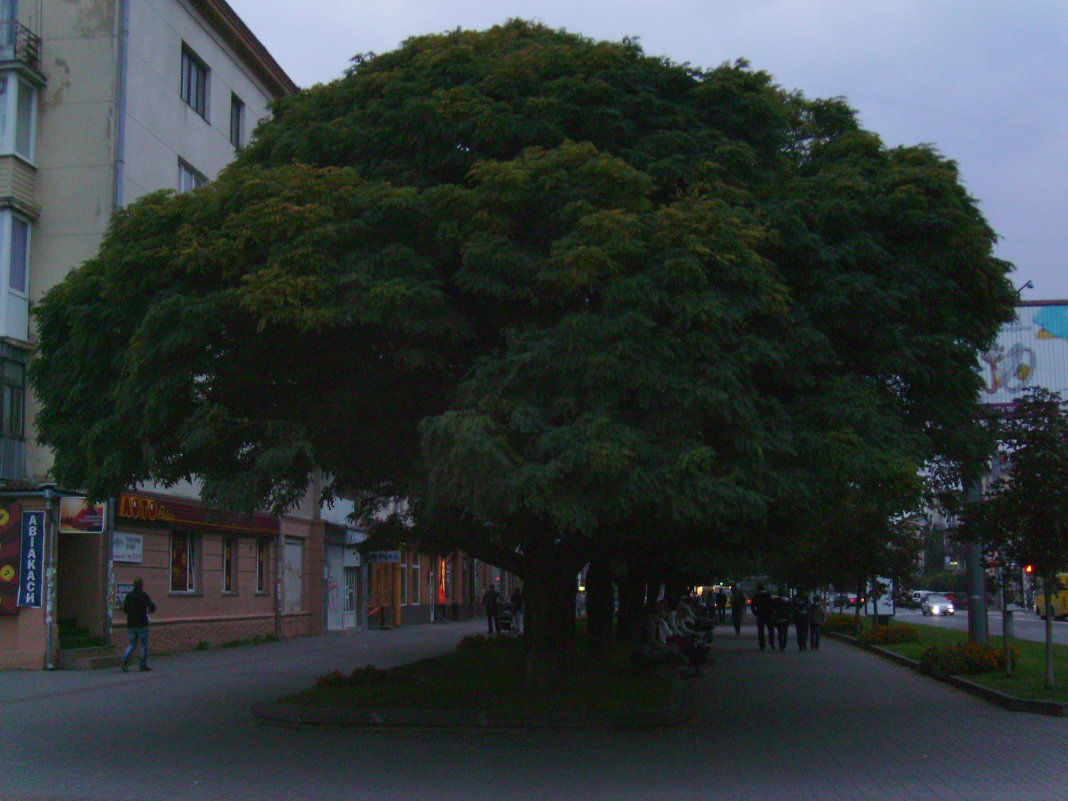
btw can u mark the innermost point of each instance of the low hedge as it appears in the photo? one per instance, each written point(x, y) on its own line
point(964, 659)
point(889, 635)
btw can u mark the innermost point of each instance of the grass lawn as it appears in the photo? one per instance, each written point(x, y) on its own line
point(1028, 673)
point(489, 677)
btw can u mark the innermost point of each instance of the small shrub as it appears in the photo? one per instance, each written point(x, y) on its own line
point(964, 659)
point(890, 635)
point(487, 640)
point(203, 645)
point(361, 676)
point(271, 637)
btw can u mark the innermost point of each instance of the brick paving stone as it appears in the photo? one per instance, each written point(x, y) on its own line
point(839, 723)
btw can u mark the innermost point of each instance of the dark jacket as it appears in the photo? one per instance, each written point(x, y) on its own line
point(137, 606)
point(762, 605)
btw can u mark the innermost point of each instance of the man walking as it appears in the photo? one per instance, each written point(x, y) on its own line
point(137, 606)
point(738, 601)
point(763, 607)
point(492, 601)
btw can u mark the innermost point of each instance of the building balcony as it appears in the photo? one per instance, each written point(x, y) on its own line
point(20, 45)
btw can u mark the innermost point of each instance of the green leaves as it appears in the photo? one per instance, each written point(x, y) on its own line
point(545, 287)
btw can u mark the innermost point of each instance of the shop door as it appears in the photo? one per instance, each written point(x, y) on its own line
point(348, 615)
point(293, 575)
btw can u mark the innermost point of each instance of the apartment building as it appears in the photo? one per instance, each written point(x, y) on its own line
point(100, 103)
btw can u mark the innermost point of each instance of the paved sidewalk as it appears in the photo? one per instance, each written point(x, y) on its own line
point(839, 723)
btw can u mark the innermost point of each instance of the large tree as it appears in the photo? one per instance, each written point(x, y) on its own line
point(1024, 515)
point(570, 299)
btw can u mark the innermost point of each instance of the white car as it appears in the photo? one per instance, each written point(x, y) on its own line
point(935, 604)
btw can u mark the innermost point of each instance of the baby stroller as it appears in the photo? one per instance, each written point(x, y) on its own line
point(504, 619)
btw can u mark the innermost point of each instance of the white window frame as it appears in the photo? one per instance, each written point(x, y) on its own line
point(195, 81)
point(192, 585)
point(8, 221)
point(237, 121)
point(189, 177)
point(12, 90)
point(263, 566)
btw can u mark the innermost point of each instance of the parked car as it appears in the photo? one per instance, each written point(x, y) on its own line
point(935, 604)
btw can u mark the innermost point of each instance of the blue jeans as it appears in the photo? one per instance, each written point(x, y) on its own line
point(138, 637)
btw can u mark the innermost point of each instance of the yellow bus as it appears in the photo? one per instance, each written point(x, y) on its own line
point(1060, 598)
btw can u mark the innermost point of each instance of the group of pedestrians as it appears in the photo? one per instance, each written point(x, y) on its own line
point(775, 613)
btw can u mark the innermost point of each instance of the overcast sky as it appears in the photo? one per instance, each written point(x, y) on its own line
point(984, 81)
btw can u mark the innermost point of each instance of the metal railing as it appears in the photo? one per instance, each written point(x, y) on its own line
point(19, 43)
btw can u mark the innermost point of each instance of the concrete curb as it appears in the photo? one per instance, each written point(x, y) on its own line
point(1010, 702)
point(297, 715)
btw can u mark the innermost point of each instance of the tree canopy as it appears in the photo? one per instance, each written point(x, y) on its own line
point(566, 296)
point(1024, 514)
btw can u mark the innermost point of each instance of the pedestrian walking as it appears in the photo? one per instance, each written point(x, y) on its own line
point(721, 606)
point(816, 615)
point(799, 606)
point(491, 600)
point(738, 601)
point(783, 612)
point(137, 606)
point(763, 606)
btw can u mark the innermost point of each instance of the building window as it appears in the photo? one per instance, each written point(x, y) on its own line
point(12, 398)
point(194, 82)
point(18, 254)
point(413, 578)
point(261, 566)
point(188, 177)
point(183, 562)
point(229, 564)
point(18, 113)
point(237, 121)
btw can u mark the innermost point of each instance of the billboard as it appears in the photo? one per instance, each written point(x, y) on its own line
point(1031, 351)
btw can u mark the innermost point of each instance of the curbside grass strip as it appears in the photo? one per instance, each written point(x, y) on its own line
point(1012, 703)
point(297, 715)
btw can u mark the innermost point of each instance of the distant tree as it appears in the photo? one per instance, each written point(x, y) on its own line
point(1024, 514)
point(571, 300)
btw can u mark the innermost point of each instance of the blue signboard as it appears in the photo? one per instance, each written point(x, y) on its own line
point(31, 567)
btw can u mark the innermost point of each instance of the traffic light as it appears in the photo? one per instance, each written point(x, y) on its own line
point(1029, 569)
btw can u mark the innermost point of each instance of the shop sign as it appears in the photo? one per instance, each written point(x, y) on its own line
point(78, 516)
point(179, 512)
point(10, 548)
point(127, 548)
point(375, 557)
point(31, 570)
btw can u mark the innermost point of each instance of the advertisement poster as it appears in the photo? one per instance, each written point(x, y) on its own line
point(128, 548)
point(10, 545)
point(78, 516)
point(31, 567)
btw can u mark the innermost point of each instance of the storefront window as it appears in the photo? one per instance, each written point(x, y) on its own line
point(261, 566)
point(229, 564)
point(183, 562)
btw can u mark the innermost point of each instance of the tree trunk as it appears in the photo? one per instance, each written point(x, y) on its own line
point(549, 587)
point(600, 605)
point(1048, 581)
point(631, 607)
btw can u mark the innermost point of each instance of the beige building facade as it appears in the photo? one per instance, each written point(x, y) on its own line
point(102, 101)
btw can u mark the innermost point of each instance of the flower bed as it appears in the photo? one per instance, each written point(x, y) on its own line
point(889, 635)
point(964, 659)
